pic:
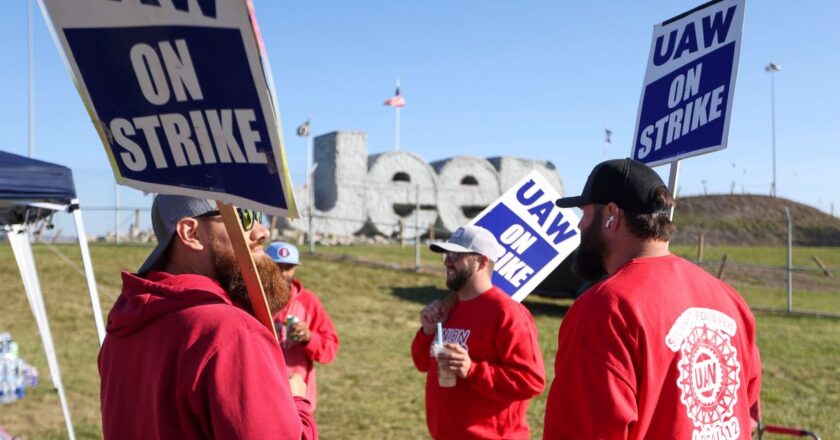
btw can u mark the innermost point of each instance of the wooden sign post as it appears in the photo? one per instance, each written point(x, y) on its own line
point(246, 264)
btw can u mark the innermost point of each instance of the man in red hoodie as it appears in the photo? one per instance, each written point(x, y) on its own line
point(658, 348)
point(305, 330)
point(183, 358)
point(492, 348)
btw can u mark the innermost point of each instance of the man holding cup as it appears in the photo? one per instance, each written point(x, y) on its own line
point(486, 340)
point(306, 332)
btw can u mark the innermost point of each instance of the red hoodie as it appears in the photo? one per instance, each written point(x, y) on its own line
point(323, 341)
point(506, 372)
point(180, 361)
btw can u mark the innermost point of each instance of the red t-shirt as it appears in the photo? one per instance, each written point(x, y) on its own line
point(660, 349)
point(507, 370)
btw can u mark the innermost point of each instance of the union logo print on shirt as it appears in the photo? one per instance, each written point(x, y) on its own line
point(453, 336)
point(709, 371)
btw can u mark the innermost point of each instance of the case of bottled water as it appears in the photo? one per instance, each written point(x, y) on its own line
point(15, 374)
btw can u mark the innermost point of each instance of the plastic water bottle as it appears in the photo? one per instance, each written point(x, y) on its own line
point(5, 338)
point(6, 392)
point(20, 389)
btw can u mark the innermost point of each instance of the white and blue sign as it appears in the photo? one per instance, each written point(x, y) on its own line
point(689, 85)
point(178, 93)
point(536, 235)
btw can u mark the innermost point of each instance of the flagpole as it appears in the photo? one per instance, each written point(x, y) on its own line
point(397, 123)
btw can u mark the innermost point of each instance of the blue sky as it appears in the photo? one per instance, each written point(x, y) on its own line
point(536, 79)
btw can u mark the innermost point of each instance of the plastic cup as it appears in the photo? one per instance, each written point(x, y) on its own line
point(446, 377)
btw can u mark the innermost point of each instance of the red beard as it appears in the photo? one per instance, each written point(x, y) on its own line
point(276, 288)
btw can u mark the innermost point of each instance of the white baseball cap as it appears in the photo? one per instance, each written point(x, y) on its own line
point(471, 239)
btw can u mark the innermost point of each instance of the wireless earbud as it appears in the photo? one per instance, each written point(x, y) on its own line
point(609, 222)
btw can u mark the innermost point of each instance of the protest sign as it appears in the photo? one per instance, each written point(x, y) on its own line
point(180, 94)
point(536, 234)
point(686, 100)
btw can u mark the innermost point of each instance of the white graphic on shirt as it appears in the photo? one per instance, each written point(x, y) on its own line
point(453, 336)
point(709, 371)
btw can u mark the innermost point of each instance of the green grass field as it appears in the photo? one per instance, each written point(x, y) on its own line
point(372, 389)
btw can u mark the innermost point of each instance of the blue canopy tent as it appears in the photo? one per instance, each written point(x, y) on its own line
point(31, 191)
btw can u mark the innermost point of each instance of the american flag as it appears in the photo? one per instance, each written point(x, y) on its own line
point(396, 100)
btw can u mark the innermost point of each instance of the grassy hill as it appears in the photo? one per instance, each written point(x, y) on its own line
point(752, 220)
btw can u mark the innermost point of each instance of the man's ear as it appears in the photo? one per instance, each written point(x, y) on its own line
point(612, 217)
point(483, 262)
point(189, 233)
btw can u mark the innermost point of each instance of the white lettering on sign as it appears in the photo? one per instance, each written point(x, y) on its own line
point(181, 71)
point(199, 137)
point(518, 238)
point(512, 268)
point(682, 120)
point(509, 265)
point(179, 134)
point(149, 73)
point(684, 86)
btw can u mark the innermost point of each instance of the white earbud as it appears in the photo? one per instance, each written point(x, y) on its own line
point(609, 222)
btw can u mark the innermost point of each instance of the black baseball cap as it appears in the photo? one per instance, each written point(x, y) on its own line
point(628, 183)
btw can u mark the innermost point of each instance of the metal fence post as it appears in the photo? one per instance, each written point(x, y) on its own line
point(417, 228)
point(789, 261)
point(700, 246)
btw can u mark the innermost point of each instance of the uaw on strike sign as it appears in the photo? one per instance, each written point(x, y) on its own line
point(536, 234)
point(178, 93)
point(687, 96)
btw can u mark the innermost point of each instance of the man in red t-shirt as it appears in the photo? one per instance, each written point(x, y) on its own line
point(491, 346)
point(658, 348)
point(305, 330)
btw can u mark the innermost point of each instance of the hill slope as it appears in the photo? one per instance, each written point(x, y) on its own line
point(752, 220)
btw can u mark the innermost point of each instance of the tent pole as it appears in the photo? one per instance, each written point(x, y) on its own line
point(91, 281)
point(19, 239)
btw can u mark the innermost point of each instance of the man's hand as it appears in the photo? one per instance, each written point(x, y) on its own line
point(297, 385)
point(300, 332)
point(430, 316)
point(457, 359)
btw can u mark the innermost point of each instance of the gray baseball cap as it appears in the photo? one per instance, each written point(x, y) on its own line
point(167, 210)
point(471, 239)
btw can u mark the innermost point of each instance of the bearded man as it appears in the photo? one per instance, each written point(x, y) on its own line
point(659, 348)
point(183, 356)
point(491, 348)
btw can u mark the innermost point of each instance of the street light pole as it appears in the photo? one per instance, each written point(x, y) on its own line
point(771, 69)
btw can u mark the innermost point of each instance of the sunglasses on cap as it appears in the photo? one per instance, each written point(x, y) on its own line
point(248, 217)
